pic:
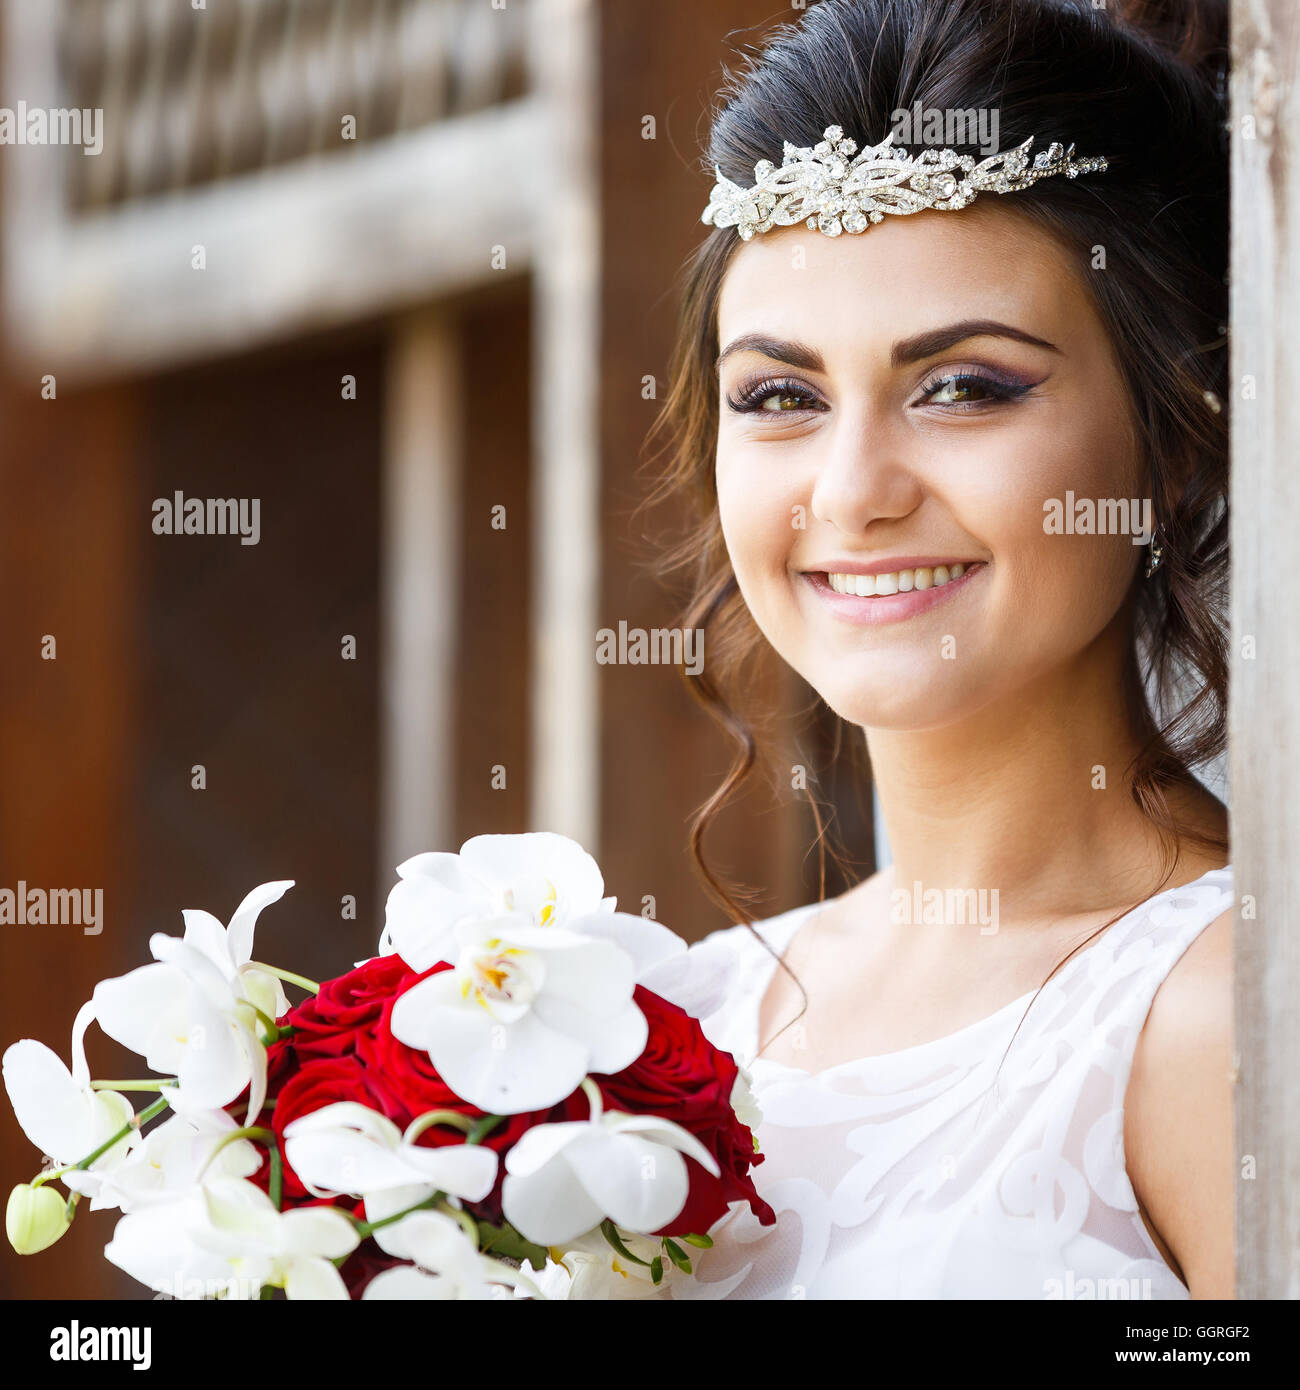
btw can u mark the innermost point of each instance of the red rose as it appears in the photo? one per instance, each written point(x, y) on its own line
point(319, 1082)
point(344, 1049)
point(330, 1021)
point(410, 1080)
point(682, 1077)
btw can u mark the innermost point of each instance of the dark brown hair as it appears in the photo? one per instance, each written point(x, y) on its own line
point(1141, 81)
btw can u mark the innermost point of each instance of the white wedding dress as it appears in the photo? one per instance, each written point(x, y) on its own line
point(912, 1175)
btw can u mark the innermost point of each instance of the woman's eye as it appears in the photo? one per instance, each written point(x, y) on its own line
point(787, 400)
point(970, 389)
point(773, 398)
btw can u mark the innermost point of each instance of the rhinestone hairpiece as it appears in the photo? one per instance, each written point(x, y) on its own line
point(832, 192)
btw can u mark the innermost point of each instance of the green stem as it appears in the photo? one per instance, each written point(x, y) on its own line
point(248, 1132)
point(366, 1228)
point(593, 1098)
point(277, 1174)
point(465, 1219)
point(300, 980)
point(129, 1085)
point(437, 1117)
point(482, 1128)
point(266, 1105)
point(272, 1028)
point(135, 1122)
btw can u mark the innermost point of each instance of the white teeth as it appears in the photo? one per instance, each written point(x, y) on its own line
point(899, 582)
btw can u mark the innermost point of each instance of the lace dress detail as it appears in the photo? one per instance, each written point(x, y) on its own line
point(916, 1174)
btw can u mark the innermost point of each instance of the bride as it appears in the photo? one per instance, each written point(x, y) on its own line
point(1002, 1065)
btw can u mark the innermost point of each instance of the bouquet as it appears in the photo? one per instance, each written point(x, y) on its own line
point(513, 1098)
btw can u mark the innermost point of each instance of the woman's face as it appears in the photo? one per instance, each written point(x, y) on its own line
point(906, 399)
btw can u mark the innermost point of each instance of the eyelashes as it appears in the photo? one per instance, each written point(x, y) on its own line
point(950, 390)
point(753, 396)
point(995, 387)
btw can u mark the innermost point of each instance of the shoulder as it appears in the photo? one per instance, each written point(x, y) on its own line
point(1178, 1123)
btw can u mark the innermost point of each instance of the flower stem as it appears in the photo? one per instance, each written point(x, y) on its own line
point(366, 1228)
point(272, 1028)
point(437, 1117)
point(301, 981)
point(276, 1184)
point(465, 1219)
point(128, 1085)
point(248, 1132)
point(482, 1128)
point(592, 1092)
point(135, 1122)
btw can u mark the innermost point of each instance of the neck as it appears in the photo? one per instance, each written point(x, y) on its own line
point(1012, 798)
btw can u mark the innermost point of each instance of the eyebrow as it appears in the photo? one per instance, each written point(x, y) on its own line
point(905, 351)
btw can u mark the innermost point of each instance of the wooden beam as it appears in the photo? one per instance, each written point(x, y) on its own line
point(419, 594)
point(297, 248)
point(564, 774)
point(1265, 705)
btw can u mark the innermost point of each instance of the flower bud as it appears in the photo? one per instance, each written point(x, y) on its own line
point(35, 1218)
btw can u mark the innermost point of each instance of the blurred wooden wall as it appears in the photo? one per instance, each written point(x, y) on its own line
point(661, 755)
point(174, 651)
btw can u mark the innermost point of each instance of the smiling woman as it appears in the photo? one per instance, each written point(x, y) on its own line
point(884, 387)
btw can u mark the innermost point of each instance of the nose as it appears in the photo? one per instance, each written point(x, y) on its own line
point(864, 475)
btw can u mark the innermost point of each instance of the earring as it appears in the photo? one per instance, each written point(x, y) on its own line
point(1154, 558)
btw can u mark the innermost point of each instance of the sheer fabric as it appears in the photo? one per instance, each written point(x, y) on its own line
point(921, 1174)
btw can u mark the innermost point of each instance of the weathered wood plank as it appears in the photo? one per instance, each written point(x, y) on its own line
point(564, 778)
point(1265, 704)
point(302, 247)
point(420, 591)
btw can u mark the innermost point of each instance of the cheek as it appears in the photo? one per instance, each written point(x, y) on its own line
point(755, 508)
point(1069, 583)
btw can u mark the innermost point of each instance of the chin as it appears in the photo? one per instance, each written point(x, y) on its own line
point(908, 707)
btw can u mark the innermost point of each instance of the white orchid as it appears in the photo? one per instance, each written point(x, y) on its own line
point(590, 1269)
point(446, 1264)
point(697, 978)
point(549, 879)
point(346, 1147)
point(59, 1111)
point(228, 1237)
point(195, 1013)
point(173, 1159)
point(525, 1014)
point(563, 1179)
point(747, 1109)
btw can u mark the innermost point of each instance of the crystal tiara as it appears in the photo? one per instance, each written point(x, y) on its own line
point(825, 187)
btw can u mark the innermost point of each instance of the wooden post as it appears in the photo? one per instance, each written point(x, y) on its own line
point(1265, 703)
point(564, 777)
point(419, 595)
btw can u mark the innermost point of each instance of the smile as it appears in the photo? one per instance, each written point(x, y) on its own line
point(892, 595)
point(898, 582)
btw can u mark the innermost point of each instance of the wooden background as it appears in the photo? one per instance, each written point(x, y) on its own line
point(174, 651)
